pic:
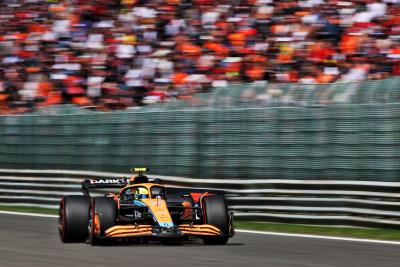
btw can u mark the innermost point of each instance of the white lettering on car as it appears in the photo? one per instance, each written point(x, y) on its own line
point(105, 181)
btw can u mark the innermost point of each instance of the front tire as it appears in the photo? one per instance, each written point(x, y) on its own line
point(102, 216)
point(215, 212)
point(73, 218)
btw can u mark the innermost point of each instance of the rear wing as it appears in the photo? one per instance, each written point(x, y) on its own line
point(103, 183)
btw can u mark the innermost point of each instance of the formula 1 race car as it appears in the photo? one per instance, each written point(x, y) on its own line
point(144, 210)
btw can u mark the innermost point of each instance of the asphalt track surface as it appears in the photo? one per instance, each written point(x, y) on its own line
point(34, 241)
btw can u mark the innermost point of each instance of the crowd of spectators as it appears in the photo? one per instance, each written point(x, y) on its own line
point(114, 54)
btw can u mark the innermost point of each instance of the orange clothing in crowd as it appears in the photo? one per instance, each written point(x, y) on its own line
point(179, 78)
point(349, 44)
point(255, 72)
point(189, 48)
point(119, 52)
point(217, 48)
point(52, 98)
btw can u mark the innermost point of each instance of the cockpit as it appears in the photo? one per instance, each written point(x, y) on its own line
point(142, 192)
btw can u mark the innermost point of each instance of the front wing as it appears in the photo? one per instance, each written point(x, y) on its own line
point(151, 231)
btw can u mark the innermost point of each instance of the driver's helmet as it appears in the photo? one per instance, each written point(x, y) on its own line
point(141, 193)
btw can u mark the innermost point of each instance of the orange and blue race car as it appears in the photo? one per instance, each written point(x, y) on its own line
point(143, 210)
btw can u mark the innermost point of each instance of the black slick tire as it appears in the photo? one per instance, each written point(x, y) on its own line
point(73, 218)
point(105, 210)
point(215, 213)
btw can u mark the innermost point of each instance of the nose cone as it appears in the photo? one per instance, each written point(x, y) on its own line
point(158, 208)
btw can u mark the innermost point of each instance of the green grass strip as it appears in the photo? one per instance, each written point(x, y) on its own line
point(368, 233)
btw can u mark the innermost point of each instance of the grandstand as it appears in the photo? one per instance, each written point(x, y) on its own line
point(118, 54)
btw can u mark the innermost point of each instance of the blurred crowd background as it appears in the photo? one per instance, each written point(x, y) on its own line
point(117, 54)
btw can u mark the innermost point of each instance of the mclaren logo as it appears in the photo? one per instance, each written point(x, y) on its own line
point(105, 181)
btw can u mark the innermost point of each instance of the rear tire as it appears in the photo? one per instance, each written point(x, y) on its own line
point(73, 218)
point(215, 212)
point(105, 210)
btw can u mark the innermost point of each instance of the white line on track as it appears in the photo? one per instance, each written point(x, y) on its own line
point(245, 231)
point(28, 214)
point(320, 237)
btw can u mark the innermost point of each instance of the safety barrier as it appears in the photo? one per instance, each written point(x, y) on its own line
point(381, 91)
point(344, 142)
point(334, 202)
